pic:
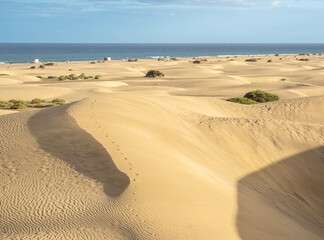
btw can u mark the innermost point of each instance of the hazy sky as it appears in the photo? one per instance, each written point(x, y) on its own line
point(153, 21)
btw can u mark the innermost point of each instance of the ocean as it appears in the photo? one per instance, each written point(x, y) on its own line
point(56, 52)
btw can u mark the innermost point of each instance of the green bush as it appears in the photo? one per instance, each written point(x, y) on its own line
point(39, 76)
point(43, 106)
point(251, 60)
point(13, 100)
point(52, 77)
point(42, 66)
point(49, 64)
point(19, 105)
point(4, 74)
point(97, 77)
point(32, 67)
point(242, 100)
point(154, 73)
point(5, 104)
point(37, 101)
point(62, 78)
point(132, 60)
point(196, 62)
point(261, 96)
point(58, 101)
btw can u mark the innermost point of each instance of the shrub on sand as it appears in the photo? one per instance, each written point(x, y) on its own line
point(196, 62)
point(5, 104)
point(154, 73)
point(49, 64)
point(97, 77)
point(43, 106)
point(242, 100)
point(251, 60)
point(51, 77)
point(261, 96)
point(58, 101)
point(62, 78)
point(19, 104)
point(37, 101)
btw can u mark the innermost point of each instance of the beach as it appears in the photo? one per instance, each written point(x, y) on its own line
point(130, 157)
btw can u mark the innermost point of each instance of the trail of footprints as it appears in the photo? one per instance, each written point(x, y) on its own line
point(133, 179)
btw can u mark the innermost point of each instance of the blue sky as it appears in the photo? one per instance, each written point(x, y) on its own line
point(165, 21)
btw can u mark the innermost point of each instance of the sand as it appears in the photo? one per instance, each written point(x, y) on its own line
point(167, 158)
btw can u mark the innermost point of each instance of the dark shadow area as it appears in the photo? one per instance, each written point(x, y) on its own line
point(59, 134)
point(284, 201)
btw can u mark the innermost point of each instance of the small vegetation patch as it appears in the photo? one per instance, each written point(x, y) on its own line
point(196, 62)
point(39, 77)
point(41, 66)
point(52, 77)
point(49, 64)
point(269, 61)
point(254, 97)
point(32, 67)
point(132, 60)
point(5, 104)
point(303, 59)
point(154, 73)
point(242, 100)
point(37, 101)
point(19, 104)
point(251, 60)
point(97, 77)
point(58, 101)
point(4, 74)
point(261, 96)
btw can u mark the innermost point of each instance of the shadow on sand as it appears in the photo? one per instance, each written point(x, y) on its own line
point(284, 201)
point(59, 134)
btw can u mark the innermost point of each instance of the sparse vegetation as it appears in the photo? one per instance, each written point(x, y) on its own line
point(5, 104)
point(39, 77)
point(37, 101)
point(32, 67)
point(19, 104)
point(303, 59)
point(132, 60)
point(92, 62)
point(255, 97)
point(154, 73)
point(43, 106)
point(4, 74)
point(269, 61)
point(97, 77)
point(196, 62)
point(49, 64)
point(251, 60)
point(261, 96)
point(52, 77)
point(58, 101)
point(277, 55)
point(242, 100)
point(61, 78)
point(41, 66)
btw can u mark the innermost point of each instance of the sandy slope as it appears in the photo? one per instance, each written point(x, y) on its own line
point(136, 158)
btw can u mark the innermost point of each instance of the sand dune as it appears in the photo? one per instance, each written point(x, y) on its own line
point(136, 158)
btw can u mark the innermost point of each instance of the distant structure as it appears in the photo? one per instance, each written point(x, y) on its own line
point(107, 58)
point(36, 60)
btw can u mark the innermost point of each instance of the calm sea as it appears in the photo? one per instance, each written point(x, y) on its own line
point(26, 52)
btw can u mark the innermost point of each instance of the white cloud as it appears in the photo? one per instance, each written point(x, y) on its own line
point(277, 3)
